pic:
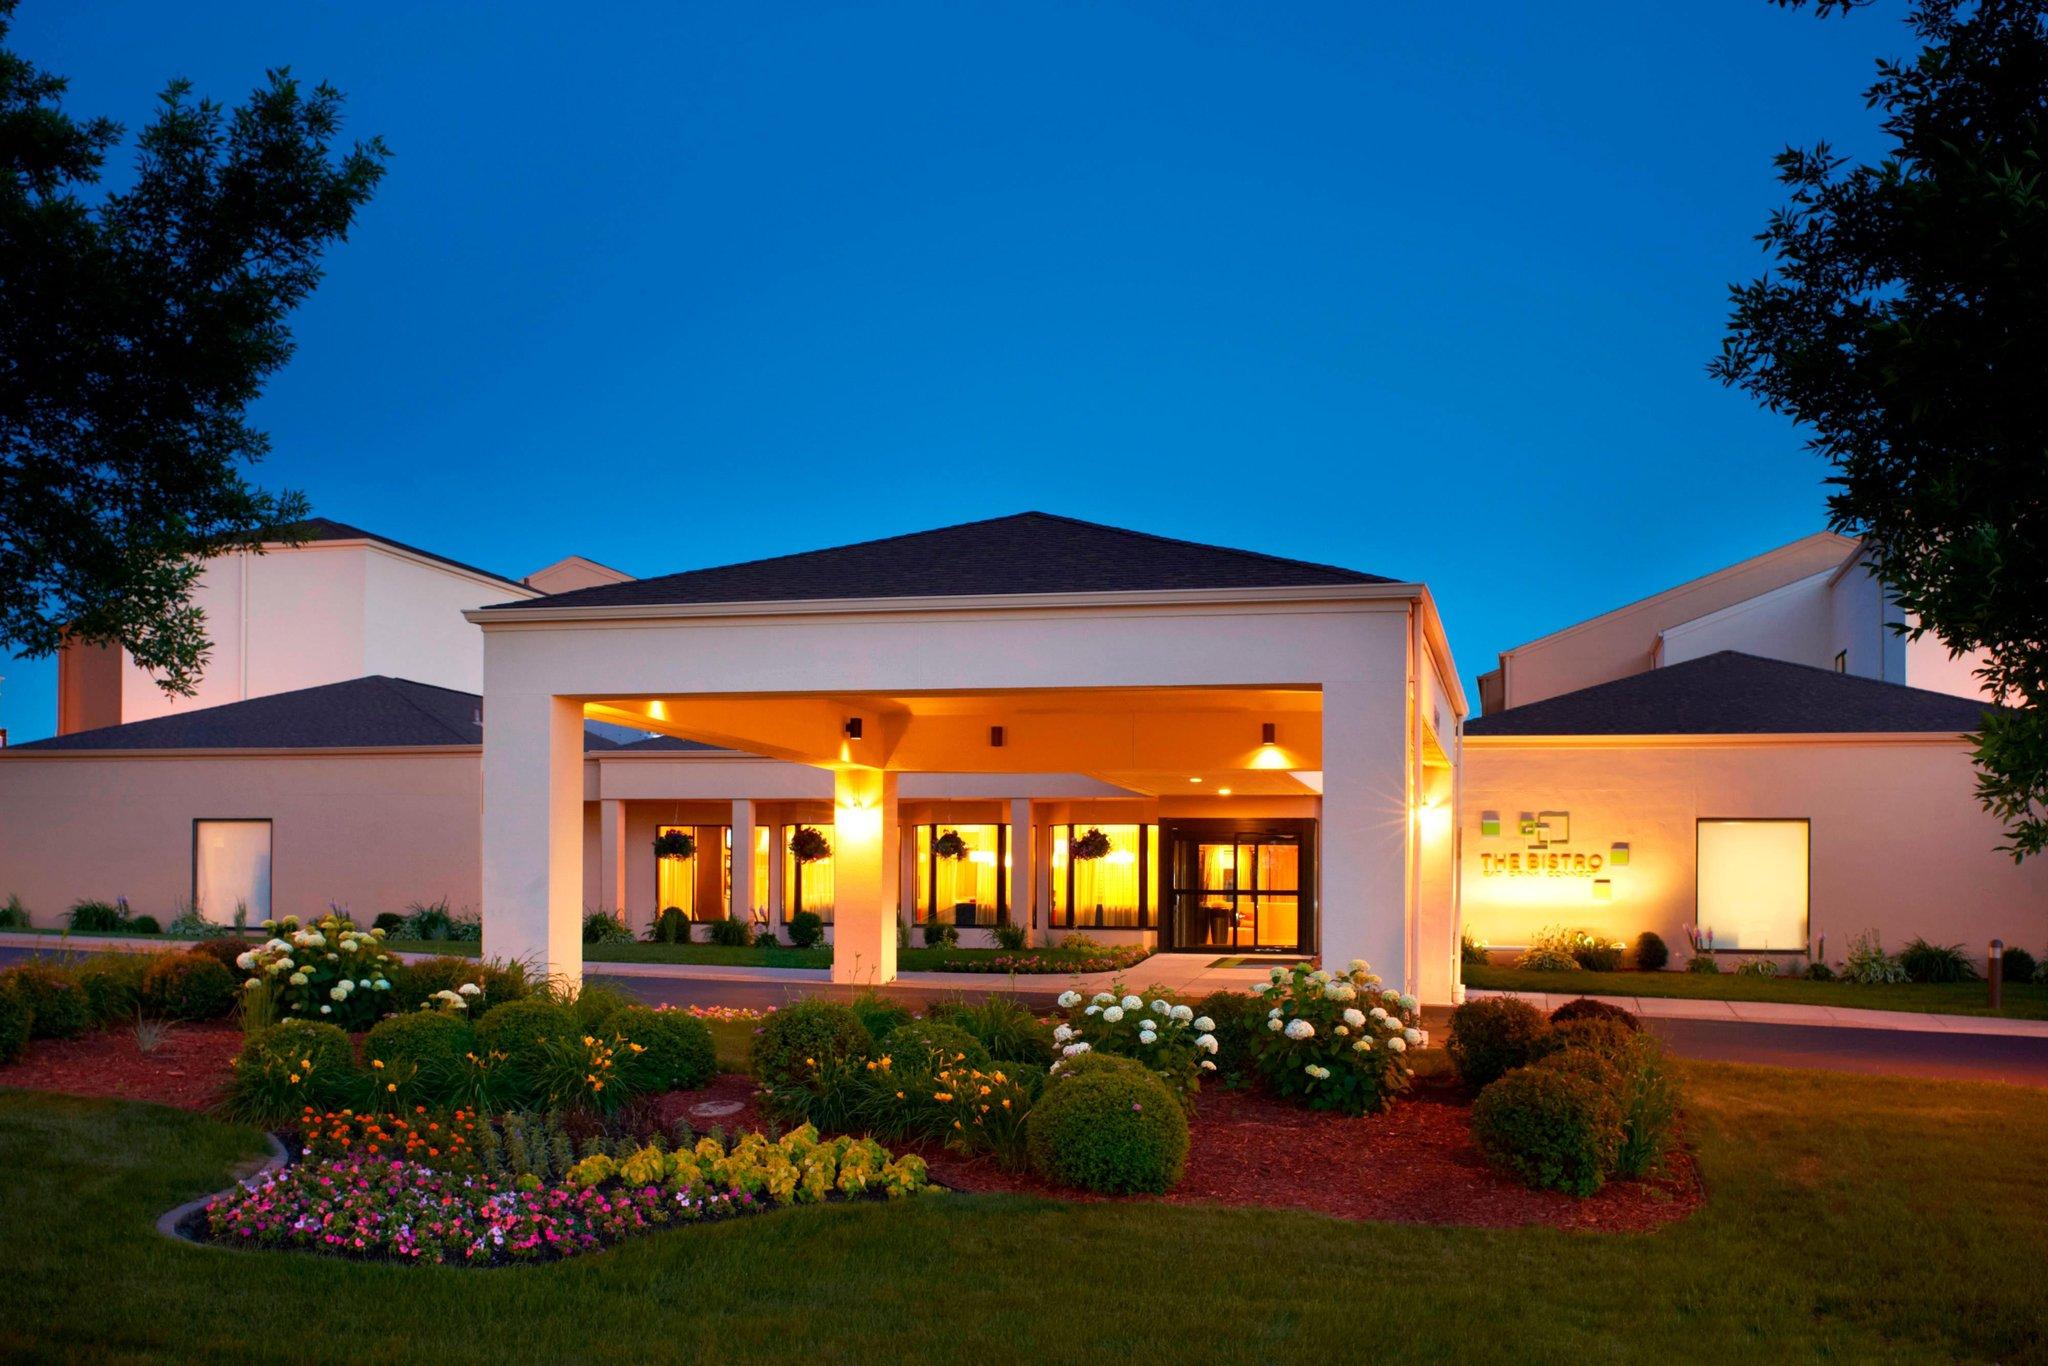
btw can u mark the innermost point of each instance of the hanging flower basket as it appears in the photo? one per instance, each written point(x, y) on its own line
point(809, 844)
point(950, 845)
point(1092, 845)
point(676, 844)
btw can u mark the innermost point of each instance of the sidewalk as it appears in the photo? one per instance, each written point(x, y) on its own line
point(1779, 1013)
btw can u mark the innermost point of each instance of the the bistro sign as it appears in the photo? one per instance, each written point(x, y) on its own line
point(1543, 832)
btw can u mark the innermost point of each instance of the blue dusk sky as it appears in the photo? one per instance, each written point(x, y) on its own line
point(1423, 290)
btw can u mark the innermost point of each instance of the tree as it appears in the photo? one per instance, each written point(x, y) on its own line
point(134, 334)
point(1904, 322)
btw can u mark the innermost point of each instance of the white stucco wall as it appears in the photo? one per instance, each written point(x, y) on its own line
point(1793, 623)
point(1899, 843)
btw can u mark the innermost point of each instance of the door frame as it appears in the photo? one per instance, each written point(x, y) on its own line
point(1238, 830)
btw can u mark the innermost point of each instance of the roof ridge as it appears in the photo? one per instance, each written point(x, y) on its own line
point(829, 549)
point(390, 685)
point(1267, 556)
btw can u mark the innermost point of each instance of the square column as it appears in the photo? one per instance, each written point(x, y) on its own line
point(611, 856)
point(1365, 830)
point(778, 913)
point(533, 834)
point(1018, 874)
point(866, 844)
point(742, 907)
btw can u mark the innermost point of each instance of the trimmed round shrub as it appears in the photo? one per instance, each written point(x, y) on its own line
point(602, 927)
point(1586, 1008)
point(14, 1021)
point(2016, 965)
point(1089, 1063)
point(806, 930)
point(805, 1051)
point(391, 922)
point(1108, 1130)
point(1651, 953)
point(949, 1042)
point(522, 1031)
point(670, 926)
point(415, 984)
point(1491, 1037)
point(188, 986)
point(1599, 1034)
point(112, 983)
point(677, 1051)
point(1550, 1126)
point(879, 1015)
point(289, 1067)
point(732, 932)
point(422, 1055)
point(145, 924)
point(1546, 959)
point(223, 949)
point(939, 935)
point(596, 1004)
point(56, 1003)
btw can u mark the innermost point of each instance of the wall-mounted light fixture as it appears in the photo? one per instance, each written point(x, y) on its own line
point(853, 728)
point(995, 737)
point(1269, 733)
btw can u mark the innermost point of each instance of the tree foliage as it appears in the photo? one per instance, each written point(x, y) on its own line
point(137, 328)
point(1904, 322)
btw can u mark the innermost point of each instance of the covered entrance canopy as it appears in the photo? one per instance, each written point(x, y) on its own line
point(1028, 645)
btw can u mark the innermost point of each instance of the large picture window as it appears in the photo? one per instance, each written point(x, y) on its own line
point(807, 886)
point(960, 874)
point(699, 886)
point(231, 870)
point(1114, 891)
point(1753, 883)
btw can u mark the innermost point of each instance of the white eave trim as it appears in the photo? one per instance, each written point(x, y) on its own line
point(1765, 740)
point(1319, 595)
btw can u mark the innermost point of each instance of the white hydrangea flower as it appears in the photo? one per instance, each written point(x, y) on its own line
point(1379, 1012)
point(1279, 974)
point(1274, 1013)
point(298, 979)
point(1397, 1044)
point(1412, 1036)
point(1092, 1010)
point(1340, 991)
point(1103, 998)
point(1132, 1003)
point(1341, 1030)
point(1274, 1025)
point(246, 961)
point(1300, 1029)
point(1362, 1046)
point(1069, 999)
point(1205, 1024)
point(1354, 1017)
point(1319, 1073)
point(1113, 1014)
point(1207, 1043)
point(326, 1010)
point(1161, 1008)
point(470, 989)
point(1262, 988)
point(1183, 1013)
point(1321, 976)
point(1074, 1050)
point(1208, 1066)
point(1408, 1003)
point(253, 982)
point(1063, 1033)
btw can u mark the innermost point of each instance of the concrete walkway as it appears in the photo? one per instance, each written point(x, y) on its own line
point(1781, 1013)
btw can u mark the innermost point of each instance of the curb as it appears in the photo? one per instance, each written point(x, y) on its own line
point(167, 1223)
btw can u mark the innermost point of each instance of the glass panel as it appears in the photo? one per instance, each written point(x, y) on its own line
point(675, 879)
point(764, 843)
point(807, 886)
point(965, 889)
point(232, 871)
point(1279, 867)
point(1753, 884)
point(1106, 888)
point(1277, 922)
point(1062, 912)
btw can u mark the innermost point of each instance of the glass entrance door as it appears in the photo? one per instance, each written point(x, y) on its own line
point(1246, 888)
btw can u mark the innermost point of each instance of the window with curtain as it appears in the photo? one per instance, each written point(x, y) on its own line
point(231, 871)
point(960, 873)
point(699, 886)
point(807, 886)
point(1115, 891)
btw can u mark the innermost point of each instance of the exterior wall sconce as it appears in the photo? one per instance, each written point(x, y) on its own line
point(995, 737)
point(853, 728)
point(1269, 733)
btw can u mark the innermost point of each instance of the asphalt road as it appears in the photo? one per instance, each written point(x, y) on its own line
point(1982, 1057)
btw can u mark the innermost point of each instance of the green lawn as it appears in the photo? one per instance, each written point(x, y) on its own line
point(1852, 1217)
point(907, 960)
point(2023, 1000)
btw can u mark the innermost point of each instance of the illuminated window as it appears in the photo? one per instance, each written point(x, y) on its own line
point(960, 871)
point(231, 871)
point(1114, 891)
point(1753, 883)
point(699, 886)
point(807, 886)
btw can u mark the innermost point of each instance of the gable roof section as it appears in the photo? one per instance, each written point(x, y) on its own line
point(376, 712)
point(1030, 552)
point(317, 529)
point(1731, 693)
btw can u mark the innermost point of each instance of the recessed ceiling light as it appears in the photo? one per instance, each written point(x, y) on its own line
point(1194, 780)
point(1223, 792)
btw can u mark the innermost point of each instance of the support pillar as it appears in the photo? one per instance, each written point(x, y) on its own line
point(866, 844)
point(742, 907)
point(611, 856)
point(533, 834)
point(1365, 829)
point(778, 890)
point(1018, 873)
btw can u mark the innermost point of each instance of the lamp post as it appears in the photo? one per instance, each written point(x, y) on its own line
point(1994, 971)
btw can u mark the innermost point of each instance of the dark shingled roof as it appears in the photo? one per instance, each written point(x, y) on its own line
point(363, 713)
point(327, 529)
point(1731, 693)
point(1031, 552)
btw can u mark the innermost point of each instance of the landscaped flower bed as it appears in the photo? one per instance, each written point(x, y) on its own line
point(1067, 962)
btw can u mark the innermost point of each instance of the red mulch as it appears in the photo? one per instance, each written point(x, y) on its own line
point(1415, 1164)
point(187, 1069)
